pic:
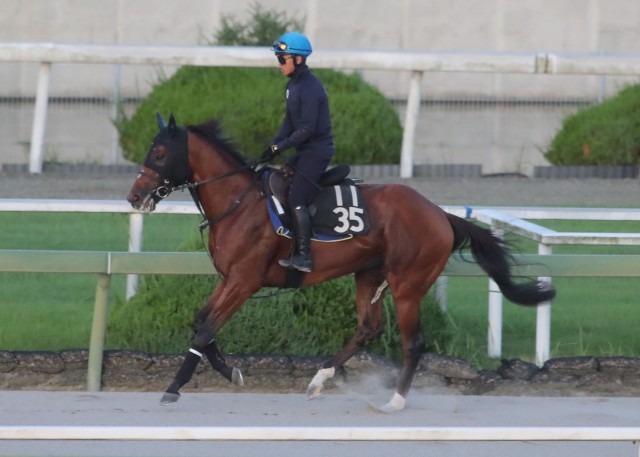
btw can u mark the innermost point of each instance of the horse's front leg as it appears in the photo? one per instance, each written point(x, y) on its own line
point(190, 364)
point(223, 303)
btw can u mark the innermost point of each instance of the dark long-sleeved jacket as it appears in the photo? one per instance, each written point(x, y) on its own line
point(307, 122)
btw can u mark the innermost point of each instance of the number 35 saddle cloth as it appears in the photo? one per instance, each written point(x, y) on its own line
point(337, 213)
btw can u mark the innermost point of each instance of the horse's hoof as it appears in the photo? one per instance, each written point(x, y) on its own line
point(314, 391)
point(169, 398)
point(236, 377)
point(385, 409)
point(317, 383)
point(397, 403)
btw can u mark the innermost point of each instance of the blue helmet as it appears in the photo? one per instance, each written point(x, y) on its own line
point(293, 43)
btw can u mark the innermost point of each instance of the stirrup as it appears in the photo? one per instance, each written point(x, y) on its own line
point(285, 262)
point(298, 262)
point(302, 263)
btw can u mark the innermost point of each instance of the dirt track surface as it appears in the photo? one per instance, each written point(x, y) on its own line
point(491, 191)
point(345, 409)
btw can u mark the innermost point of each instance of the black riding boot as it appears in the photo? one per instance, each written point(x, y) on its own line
point(301, 259)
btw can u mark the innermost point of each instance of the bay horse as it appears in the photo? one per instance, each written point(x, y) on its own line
point(405, 250)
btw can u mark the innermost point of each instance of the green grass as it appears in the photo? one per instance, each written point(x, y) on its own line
point(41, 311)
point(590, 316)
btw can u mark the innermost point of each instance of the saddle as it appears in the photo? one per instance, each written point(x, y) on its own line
point(337, 213)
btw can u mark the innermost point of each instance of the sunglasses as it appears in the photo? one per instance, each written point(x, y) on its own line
point(280, 46)
point(282, 59)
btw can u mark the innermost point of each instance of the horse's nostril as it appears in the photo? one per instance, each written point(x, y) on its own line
point(133, 198)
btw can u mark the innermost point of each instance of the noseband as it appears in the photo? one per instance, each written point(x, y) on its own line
point(164, 188)
point(176, 174)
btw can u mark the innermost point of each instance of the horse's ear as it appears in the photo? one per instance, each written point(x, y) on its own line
point(172, 124)
point(160, 120)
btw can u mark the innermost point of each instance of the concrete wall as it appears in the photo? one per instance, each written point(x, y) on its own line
point(567, 26)
point(444, 25)
point(502, 140)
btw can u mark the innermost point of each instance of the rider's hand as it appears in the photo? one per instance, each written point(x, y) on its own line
point(269, 153)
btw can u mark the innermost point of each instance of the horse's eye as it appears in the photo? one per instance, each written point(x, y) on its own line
point(160, 156)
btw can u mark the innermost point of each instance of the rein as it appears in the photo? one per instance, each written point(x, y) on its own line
point(192, 186)
point(214, 220)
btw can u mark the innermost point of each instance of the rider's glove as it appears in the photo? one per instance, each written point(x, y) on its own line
point(269, 153)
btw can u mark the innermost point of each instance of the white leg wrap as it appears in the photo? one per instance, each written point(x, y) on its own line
point(396, 403)
point(317, 383)
point(322, 375)
point(193, 351)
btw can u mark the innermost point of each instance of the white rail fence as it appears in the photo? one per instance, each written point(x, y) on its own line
point(513, 221)
point(47, 54)
point(499, 218)
point(166, 433)
point(351, 434)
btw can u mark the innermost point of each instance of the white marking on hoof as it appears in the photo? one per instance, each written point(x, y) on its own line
point(236, 377)
point(396, 403)
point(317, 383)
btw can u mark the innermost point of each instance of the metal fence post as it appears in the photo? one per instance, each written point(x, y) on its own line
point(441, 292)
point(494, 335)
point(410, 123)
point(115, 112)
point(36, 154)
point(543, 318)
point(135, 245)
point(98, 332)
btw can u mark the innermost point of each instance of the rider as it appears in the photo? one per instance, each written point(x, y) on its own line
point(307, 128)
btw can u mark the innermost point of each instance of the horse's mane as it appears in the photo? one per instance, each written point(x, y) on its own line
point(211, 132)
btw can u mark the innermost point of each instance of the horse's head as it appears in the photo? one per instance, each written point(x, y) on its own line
point(165, 167)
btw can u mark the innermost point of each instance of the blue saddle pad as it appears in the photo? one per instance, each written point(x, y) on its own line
point(337, 214)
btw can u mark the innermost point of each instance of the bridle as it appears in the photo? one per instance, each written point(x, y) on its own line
point(167, 185)
point(163, 190)
point(166, 188)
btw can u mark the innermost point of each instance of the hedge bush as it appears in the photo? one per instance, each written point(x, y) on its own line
point(250, 104)
point(604, 134)
point(316, 320)
point(260, 29)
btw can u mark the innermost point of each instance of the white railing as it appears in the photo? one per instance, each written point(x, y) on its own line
point(510, 219)
point(416, 62)
point(499, 218)
point(264, 433)
point(136, 226)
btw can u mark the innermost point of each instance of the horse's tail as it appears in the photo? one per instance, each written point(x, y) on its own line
point(490, 253)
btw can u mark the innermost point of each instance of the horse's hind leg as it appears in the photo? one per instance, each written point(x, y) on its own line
point(413, 345)
point(370, 289)
point(408, 289)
